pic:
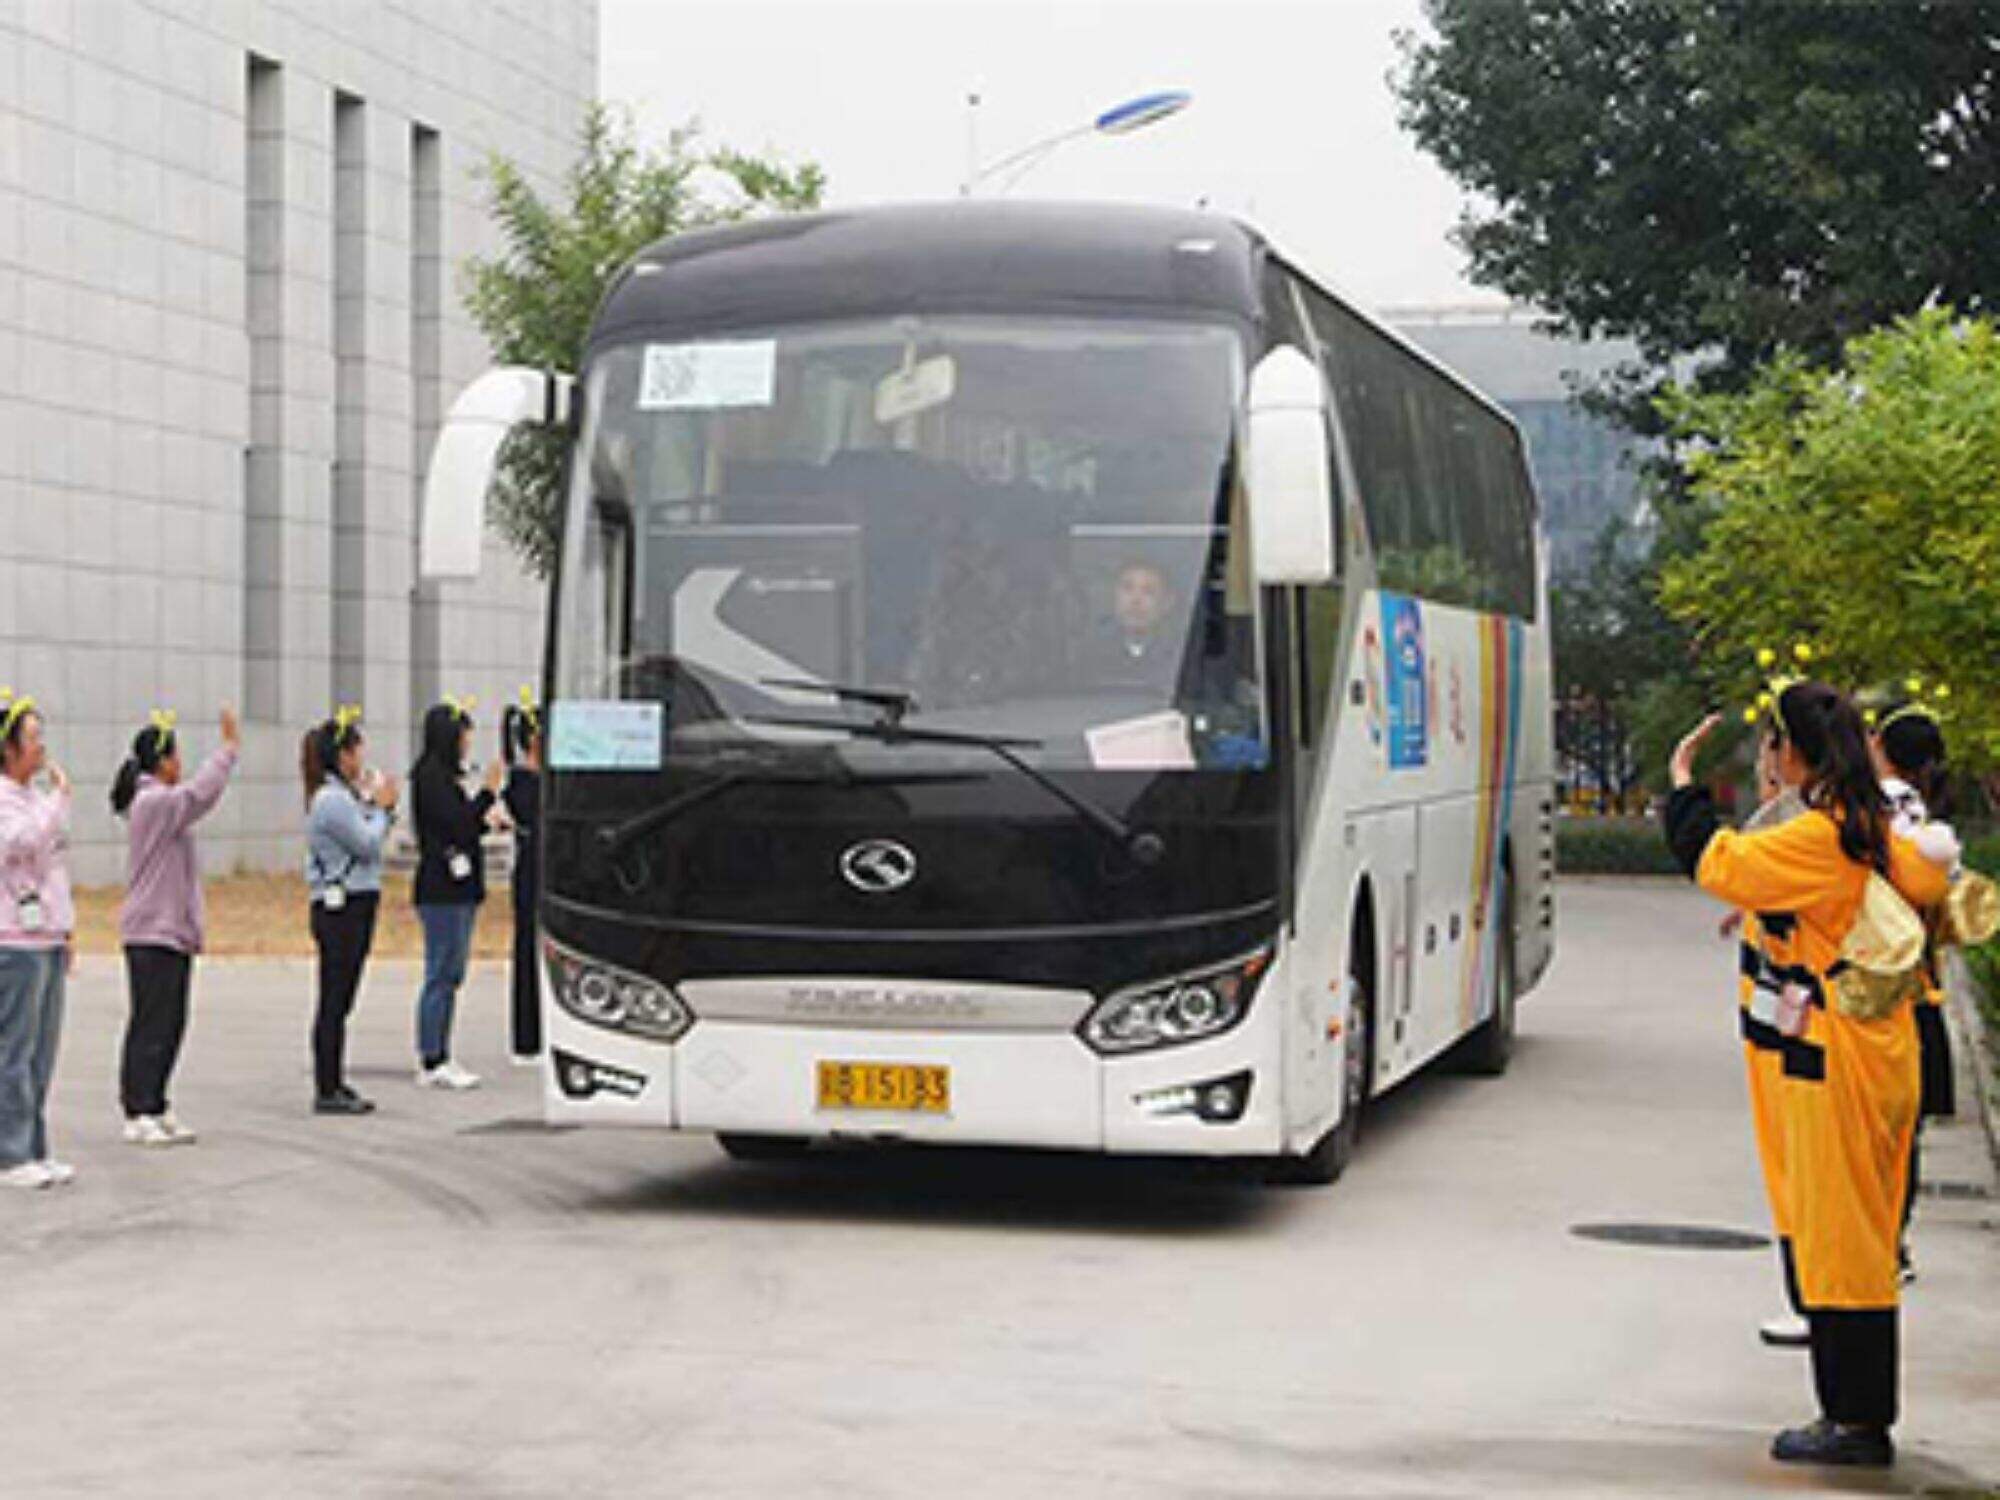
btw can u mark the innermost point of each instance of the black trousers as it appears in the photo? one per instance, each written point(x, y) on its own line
point(527, 972)
point(1791, 1268)
point(1854, 1358)
point(343, 938)
point(1915, 1177)
point(158, 980)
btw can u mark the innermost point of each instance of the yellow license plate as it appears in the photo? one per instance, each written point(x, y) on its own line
point(912, 1088)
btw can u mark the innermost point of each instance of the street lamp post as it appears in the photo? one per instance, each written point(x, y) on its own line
point(1120, 119)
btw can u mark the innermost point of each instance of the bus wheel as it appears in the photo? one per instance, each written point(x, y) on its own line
point(1487, 1050)
point(1330, 1155)
point(739, 1147)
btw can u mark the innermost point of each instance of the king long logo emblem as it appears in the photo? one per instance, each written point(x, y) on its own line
point(878, 866)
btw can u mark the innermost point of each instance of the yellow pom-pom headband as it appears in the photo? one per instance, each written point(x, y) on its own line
point(461, 707)
point(1927, 700)
point(1777, 684)
point(163, 721)
point(345, 718)
point(528, 709)
point(17, 709)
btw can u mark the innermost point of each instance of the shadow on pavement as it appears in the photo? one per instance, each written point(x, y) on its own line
point(965, 1187)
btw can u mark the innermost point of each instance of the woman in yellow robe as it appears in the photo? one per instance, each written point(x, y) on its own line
point(1837, 1111)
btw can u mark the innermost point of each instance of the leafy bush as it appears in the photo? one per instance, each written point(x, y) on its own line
point(1612, 846)
point(1982, 851)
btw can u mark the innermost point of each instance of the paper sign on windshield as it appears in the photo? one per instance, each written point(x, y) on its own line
point(601, 736)
point(907, 392)
point(1155, 742)
point(708, 377)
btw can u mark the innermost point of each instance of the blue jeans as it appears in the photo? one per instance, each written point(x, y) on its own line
point(31, 1016)
point(447, 946)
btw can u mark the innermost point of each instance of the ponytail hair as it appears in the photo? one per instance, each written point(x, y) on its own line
point(319, 751)
point(1913, 744)
point(1826, 728)
point(444, 723)
point(520, 731)
point(151, 745)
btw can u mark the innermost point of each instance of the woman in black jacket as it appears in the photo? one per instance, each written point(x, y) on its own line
point(451, 882)
point(521, 746)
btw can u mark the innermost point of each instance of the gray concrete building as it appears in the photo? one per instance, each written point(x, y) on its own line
point(1585, 468)
point(231, 234)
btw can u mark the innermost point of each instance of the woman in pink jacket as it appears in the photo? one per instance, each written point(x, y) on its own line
point(161, 925)
point(36, 919)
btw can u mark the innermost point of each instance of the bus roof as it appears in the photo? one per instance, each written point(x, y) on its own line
point(939, 257)
point(963, 256)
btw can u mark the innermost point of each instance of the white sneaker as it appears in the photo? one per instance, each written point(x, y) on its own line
point(60, 1173)
point(149, 1130)
point(447, 1075)
point(29, 1174)
point(526, 1059)
point(1788, 1331)
point(173, 1127)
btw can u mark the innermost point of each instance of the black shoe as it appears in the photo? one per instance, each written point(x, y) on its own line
point(346, 1102)
point(1827, 1442)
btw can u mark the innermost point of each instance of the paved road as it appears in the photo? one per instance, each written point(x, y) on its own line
point(446, 1300)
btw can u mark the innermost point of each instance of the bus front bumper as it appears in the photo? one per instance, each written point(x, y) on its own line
point(1042, 1089)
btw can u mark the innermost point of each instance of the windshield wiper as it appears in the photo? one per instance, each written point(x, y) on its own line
point(1140, 848)
point(618, 835)
point(895, 704)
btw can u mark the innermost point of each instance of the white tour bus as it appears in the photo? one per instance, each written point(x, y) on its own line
point(1029, 674)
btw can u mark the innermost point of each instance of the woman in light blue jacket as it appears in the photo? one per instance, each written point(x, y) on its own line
point(348, 813)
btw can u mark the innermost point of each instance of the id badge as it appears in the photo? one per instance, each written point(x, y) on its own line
point(29, 909)
point(460, 865)
point(1794, 1000)
point(334, 898)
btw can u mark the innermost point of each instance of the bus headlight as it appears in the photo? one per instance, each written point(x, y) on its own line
point(1187, 1008)
point(614, 998)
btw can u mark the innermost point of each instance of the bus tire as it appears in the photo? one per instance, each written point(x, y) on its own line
point(1330, 1154)
point(739, 1147)
point(1487, 1051)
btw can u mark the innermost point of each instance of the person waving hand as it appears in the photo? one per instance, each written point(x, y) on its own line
point(1834, 1085)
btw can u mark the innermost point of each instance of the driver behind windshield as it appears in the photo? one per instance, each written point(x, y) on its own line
point(1152, 646)
point(1135, 646)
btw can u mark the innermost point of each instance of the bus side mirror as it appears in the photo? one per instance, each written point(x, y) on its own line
point(1288, 477)
point(462, 464)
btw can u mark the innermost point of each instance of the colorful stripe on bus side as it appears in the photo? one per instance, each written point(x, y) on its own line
point(1500, 641)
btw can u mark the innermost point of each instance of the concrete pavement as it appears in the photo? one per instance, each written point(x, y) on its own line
point(447, 1300)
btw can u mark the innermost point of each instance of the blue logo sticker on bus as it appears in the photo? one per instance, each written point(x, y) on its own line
point(1404, 685)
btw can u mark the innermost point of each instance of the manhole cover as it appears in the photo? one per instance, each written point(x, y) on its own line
point(1672, 1236)
point(515, 1125)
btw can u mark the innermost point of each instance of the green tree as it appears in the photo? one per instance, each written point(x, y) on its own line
point(534, 299)
point(1718, 177)
point(1854, 508)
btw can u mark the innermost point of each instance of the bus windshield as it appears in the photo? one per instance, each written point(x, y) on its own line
point(986, 527)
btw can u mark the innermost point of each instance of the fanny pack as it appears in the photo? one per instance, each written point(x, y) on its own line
point(1881, 959)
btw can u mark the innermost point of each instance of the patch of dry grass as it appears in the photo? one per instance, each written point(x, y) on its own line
point(264, 916)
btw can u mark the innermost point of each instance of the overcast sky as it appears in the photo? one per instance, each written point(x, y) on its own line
point(1292, 126)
